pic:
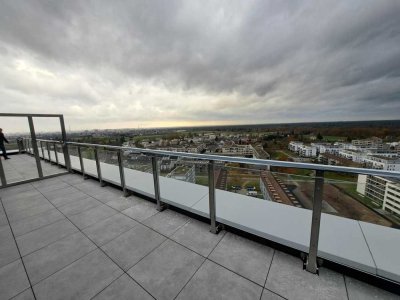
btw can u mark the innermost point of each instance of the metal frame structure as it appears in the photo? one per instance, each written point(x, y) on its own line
point(311, 259)
point(34, 146)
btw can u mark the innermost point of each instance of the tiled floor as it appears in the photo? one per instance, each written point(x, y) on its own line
point(68, 238)
point(22, 167)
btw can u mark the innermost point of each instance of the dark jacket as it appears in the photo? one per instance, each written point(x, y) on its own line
point(3, 139)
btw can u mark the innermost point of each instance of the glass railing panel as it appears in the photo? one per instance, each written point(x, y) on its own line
point(74, 157)
point(138, 173)
point(109, 166)
point(184, 182)
point(89, 162)
point(366, 198)
point(60, 154)
point(294, 187)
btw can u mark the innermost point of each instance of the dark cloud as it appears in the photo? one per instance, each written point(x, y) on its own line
point(250, 61)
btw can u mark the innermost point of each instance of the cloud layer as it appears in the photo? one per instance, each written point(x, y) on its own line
point(158, 63)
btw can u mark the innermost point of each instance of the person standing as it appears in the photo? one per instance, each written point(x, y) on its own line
point(2, 140)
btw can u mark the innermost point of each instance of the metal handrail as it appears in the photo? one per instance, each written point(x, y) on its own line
point(244, 160)
point(311, 262)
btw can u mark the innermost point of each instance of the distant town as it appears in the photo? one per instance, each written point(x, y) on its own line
point(354, 144)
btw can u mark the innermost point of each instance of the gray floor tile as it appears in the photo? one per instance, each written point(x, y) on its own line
point(124, 288)
point(49, 187)
point(166, 270)
point(72, 179)
point(29, 224)
point(25, 295)
point(106, 194)
point(287, 278)
point(212, 281)
point(52, 258)
point(92, 216)
point(23, 203)
point(15, 196)
point(44, 236)
point(245, 257)
point(106, 230)
point(29, 212)
point(8, 248)
point(133, 245)
point(79, 206)
point(3, 219)
point(46, 182)
point(196, 235)
point(167, 221)
point(13, 279)
point(121, 203)
point(82, 279)
point(268, 295)
point(61, 193)
point(68, 198)
point(141, 210)
point(358, 290)
point(15, 190)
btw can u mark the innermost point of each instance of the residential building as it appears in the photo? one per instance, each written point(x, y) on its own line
point(384, 192)
point(294, 146)
point(382, 162)
point(373, 142)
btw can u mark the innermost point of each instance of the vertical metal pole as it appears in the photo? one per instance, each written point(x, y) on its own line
point(55, 152)
point(2, 175)
point(96, 157)
point(156, 179)
point(81, 162)
point(65, 146)
point(41, 147)
point(34, 147)
point(211, 197)
point(316, 220)
point(48, 151)
point(122, 173)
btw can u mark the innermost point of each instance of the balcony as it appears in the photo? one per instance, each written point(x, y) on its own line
point(108, 230)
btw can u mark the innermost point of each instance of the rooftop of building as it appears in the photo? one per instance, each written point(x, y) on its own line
point(69, 238)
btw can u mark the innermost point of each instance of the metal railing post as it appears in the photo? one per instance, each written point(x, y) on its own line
point(2, 175)
point(122, 173)
point(214, 228)
point(65, 146)
point(55, 152)
point(81, 162)
point(312, 265)
point(34, 147)
point(156, 179)
point(48, 151)
point(96, 157)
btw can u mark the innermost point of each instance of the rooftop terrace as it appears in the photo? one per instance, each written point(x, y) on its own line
point(76, 222)
point(69, 238)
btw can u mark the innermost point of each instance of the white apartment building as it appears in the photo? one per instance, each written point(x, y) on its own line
point(326, 148)
point(391, 202)
point(382, 162)
point(385, 192)
point(373, 142)
point(352, 155)
point(238, 150)
point(303, 150)
point(294, 146)
point(307, 151)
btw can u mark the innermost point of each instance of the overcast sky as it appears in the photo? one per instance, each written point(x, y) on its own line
point(113, 64)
